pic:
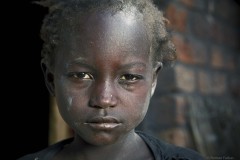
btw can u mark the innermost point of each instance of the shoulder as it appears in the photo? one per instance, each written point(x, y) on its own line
point(46, 153)
point(164, 150)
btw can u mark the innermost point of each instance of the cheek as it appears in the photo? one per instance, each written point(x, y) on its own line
point(144, 103)
point(69, 100)
point(72, 109)
point(138, 105)
point(64, 96)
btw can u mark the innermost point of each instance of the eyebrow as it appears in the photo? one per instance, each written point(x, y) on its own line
point(81, 62)
point(134, 64)
point(84, 63)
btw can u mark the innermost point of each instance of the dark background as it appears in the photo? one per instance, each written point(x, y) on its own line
point(25, 102)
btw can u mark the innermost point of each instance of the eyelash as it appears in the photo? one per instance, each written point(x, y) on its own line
point(126, 78)
point(130, 78)
point(80, 75)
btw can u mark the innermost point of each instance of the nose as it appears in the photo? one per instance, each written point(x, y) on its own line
point(103, 95)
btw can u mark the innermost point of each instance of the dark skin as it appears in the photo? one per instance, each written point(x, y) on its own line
point(103, 79)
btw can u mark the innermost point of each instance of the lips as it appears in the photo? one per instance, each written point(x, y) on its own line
point(103, 120)
point(103, 123)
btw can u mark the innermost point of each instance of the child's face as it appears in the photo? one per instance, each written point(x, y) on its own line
point(103, 76)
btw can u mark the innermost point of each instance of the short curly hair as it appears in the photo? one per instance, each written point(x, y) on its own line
point(162, 47)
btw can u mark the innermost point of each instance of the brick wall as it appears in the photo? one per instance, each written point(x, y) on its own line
point(197, 101)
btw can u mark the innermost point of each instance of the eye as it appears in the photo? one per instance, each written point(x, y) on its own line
point(130, 78)
point(80, 75)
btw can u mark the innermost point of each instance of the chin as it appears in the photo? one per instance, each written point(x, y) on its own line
point(101, 139)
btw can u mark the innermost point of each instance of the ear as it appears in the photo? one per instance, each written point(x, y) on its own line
point(157, 68)
point(48, 77)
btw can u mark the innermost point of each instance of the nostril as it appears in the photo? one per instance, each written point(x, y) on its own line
point(93, 105)
point(102, 101)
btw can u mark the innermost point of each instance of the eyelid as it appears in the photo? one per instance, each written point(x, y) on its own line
point(131, 77)
point(80, 75)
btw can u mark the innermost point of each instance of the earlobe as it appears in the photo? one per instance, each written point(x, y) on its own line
point(153, 89)
point(48, 78)
point(158, 67)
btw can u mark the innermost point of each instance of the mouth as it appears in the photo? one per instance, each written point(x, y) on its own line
point(103, 123)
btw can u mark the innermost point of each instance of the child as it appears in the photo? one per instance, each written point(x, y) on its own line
point(100, 59)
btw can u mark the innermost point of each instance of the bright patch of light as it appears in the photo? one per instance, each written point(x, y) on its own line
point(129, 18)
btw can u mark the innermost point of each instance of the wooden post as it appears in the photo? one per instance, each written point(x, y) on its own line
point(58, 129)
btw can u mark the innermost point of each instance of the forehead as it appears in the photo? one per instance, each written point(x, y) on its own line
point(124, 30)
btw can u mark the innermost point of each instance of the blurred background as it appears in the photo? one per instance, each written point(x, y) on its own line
point(197, 101)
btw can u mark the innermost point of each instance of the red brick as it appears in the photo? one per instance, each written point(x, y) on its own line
point(204, 82)
point(200, 26)
point(217, 59)
point(217, 32)
point(188, 3)
point(224, 34)
point(219, 83)
point(214, 83)
point(181, 104)
point(185, 78)
point(177, 18)
point(190, 52)
point(199, 53)
point(183, 49)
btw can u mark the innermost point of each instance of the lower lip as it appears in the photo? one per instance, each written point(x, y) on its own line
point(103, 126)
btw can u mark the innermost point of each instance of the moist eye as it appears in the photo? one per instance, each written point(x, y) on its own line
point(80, 75)
point(130, 77)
